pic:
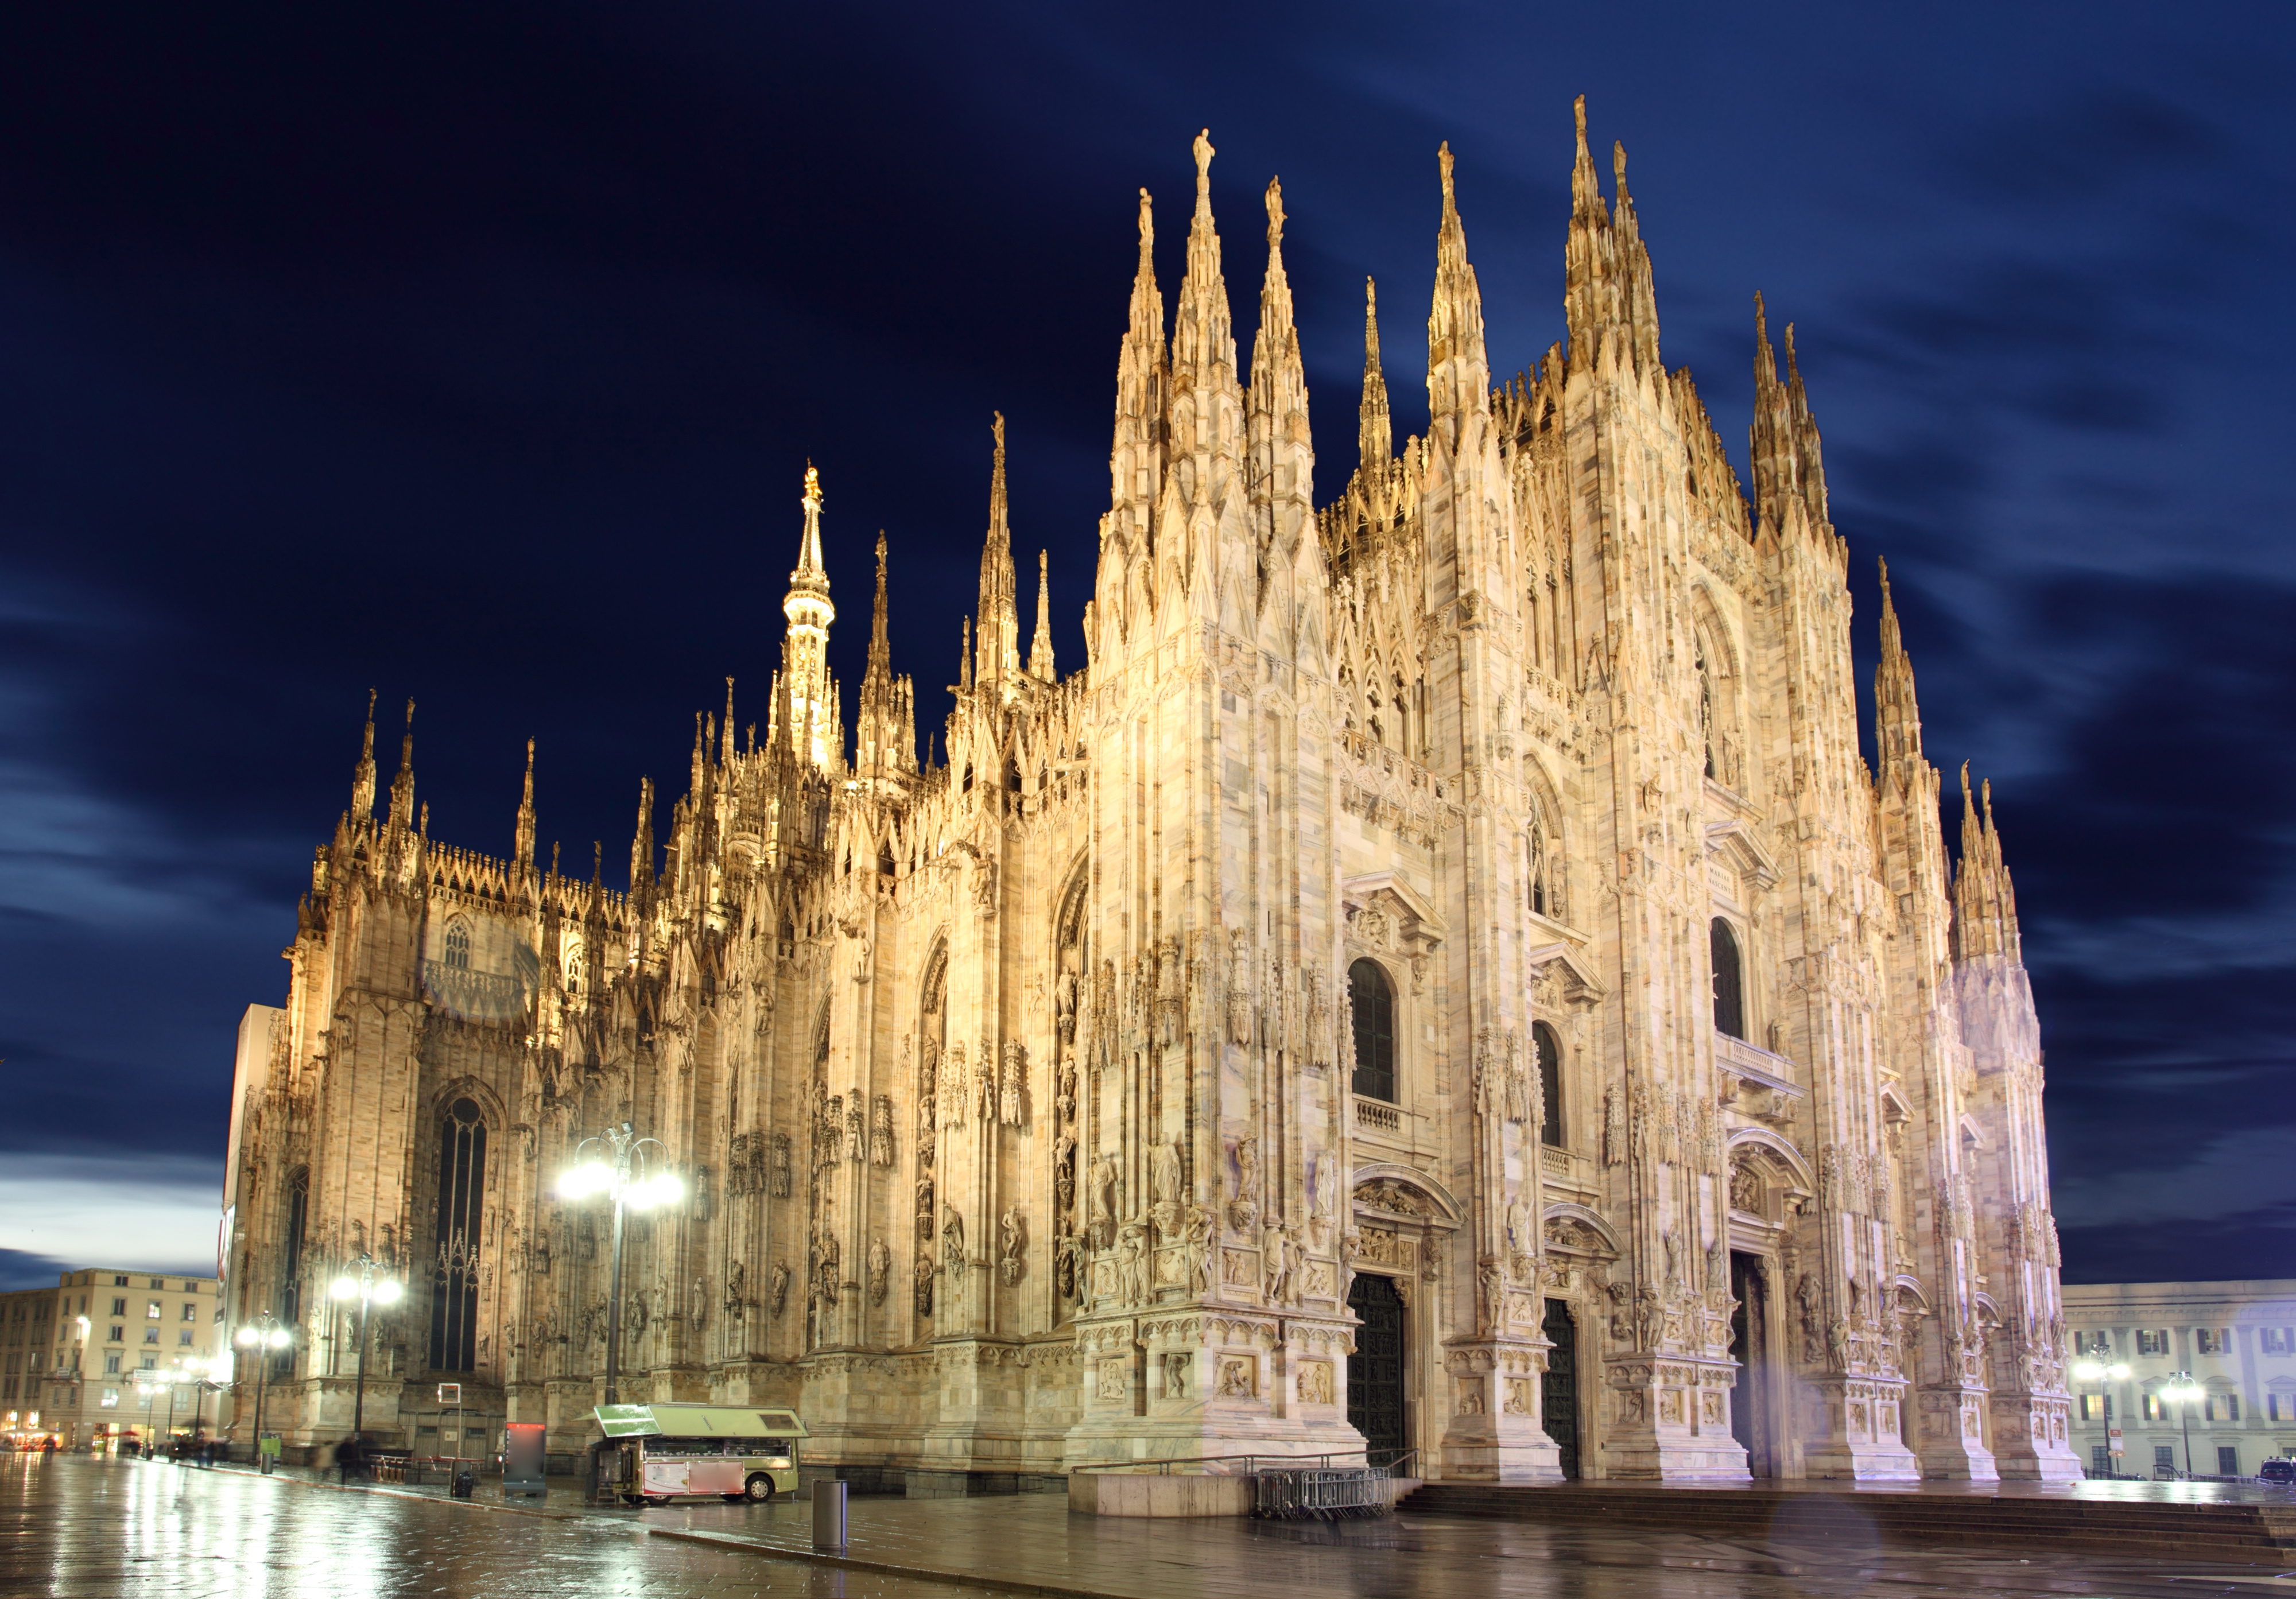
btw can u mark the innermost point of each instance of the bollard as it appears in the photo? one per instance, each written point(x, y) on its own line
point(829, 1516)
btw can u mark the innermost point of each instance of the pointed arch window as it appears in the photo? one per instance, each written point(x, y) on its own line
point(461, 1197)
point(458, 943)
point(291, 1292)
point(1549, 1051)
point(1729, 982)
point(1542, 899)
point(1372, 999)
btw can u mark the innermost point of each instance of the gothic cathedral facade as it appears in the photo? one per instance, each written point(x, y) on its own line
point(1441, 977)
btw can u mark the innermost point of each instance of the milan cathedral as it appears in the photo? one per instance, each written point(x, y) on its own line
point(1441, 976)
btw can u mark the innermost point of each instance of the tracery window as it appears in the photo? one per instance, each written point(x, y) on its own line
point(1706, 712)
point(461, 1190)
point(458, 943)
point(290, 1293)
point(1372, 1001)
point(1542, 900)
point(1729, 982)
point(1549, 1051)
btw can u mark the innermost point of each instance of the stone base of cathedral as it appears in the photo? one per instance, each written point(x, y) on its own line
point(2030, 1442)
point(1669, 1420)
point(1493, 1433)
point(1852, 1430)
point(1952, 1433)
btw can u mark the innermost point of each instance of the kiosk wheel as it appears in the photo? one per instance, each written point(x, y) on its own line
point(759, 1489)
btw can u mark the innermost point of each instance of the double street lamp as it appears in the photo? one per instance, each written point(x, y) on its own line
point(369, 1293)
point(264, 1337)
point(618, 1165)
point(2181, 1388)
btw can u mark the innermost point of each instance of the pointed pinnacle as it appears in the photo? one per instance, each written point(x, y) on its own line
point(1204, 153)
point(1274, 213)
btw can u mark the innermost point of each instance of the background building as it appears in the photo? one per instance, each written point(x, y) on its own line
point(1441, 976)
point(71, 1353)
point(2236, 1340)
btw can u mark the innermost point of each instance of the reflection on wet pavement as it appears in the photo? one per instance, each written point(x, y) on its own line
point(88, 1527)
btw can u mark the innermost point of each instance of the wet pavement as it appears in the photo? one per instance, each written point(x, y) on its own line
point(75, 1526)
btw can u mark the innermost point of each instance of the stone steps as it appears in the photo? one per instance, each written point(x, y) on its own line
point(2229, 1531)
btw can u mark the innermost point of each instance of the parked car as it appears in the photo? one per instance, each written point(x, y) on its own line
point(2276, 1471)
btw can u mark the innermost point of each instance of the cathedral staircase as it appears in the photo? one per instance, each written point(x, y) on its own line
point(1839, 1519)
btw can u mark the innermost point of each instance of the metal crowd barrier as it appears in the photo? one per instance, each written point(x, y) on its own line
point(1336, 1493)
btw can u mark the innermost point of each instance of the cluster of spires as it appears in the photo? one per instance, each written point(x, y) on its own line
point(1611, 309)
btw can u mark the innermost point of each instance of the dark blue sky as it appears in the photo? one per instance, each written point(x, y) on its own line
point(475, 354)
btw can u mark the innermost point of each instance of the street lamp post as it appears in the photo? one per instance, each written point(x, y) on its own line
point(621, 1170)
point(2181, 1388)
point(369, 1293)
point(265, 1337)
point(2093, 1371)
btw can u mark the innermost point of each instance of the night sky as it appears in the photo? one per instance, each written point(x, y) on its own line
point(475, 354)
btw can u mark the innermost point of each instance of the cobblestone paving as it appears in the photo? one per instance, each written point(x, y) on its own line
point(80, 1527)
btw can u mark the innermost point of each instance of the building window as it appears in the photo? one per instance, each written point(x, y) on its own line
point(2281, 1408)
point(2279, 1341)
point(110, 1398)
point(1540, 865)
point(1729, 982)
point(2152, 1342)
point(1372, 1001)
point(458, 943)
point(2100, 1460)
point(1550, 1083)
point(119, 1336)
point(111, 1368)
point(184, 1339)
point(2222, 1407)
point(2092, 1407)
point(1706, 709)
point(462, 1184)
point(2227, 1460)
point(119, 1281)
point(2155, 1408)
point(2164, 1457)
point(152, 1310)
point(2092, 1343)
point(119, 1306)
point(2211, 1341)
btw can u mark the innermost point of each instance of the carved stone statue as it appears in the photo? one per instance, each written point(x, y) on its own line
point(1013, 1242)
point(777, 1290)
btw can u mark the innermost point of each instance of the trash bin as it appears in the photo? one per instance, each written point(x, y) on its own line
point(829, 1516)
point(466, 1482)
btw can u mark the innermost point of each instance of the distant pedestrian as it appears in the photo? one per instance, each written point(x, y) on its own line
point(350, 1457)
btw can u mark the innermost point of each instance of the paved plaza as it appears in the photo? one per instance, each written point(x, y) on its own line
point(77, 1526)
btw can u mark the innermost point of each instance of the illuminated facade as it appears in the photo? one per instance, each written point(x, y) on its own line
point(1440, 973)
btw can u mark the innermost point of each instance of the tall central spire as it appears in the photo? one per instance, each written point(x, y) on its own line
point(809, 710)
point(998, 638)
point(1458, 371)
point(1374, 428)
point(1203, 338)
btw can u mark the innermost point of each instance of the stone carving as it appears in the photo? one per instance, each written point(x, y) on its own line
point(1132, 1263)
point(1275, 1250)
point(777, 1290)
point(1235, 1378)
point(922, 1274)
point(881, 1131)
point(1013, 1242)
point(1243, 1209)
point(1016, 1070)
point(1316, 1386)
point(1178, 1367)
point(1238, 988)
point(1745, 1188)
point(781, 1167)
point(1395, 1198)
point(984, 1083)
point(880, 1270)
point(1614, 1137)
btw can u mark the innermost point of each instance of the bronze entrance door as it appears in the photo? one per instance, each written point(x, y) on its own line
point(1750, 1406)
point(1558, 1390)
point(1375, 1370)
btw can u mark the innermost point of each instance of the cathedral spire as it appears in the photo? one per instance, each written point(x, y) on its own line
point(1040, 648)
point(881, 648)
point(1590, 293)
point(1458, 371)
point(1276, 429)
point(998, 642)
point(809, 715)
point(1897, 716)
point(402, 787)
point(1984, 900)
point(522, 847)
point(1136, 457)
point(725, 745)
point(1374, 428)
point(1638, 297)
point(886, 737)
point(1203, 337)
point(363, 776)
point(641, 843)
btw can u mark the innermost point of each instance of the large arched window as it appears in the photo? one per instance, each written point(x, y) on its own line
point(461, 1195)
point(1550, 1083)
point(291, 1292)
point(1706, 710)
point(1372, 1001)
point(1729, 982)
point(458, 943)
